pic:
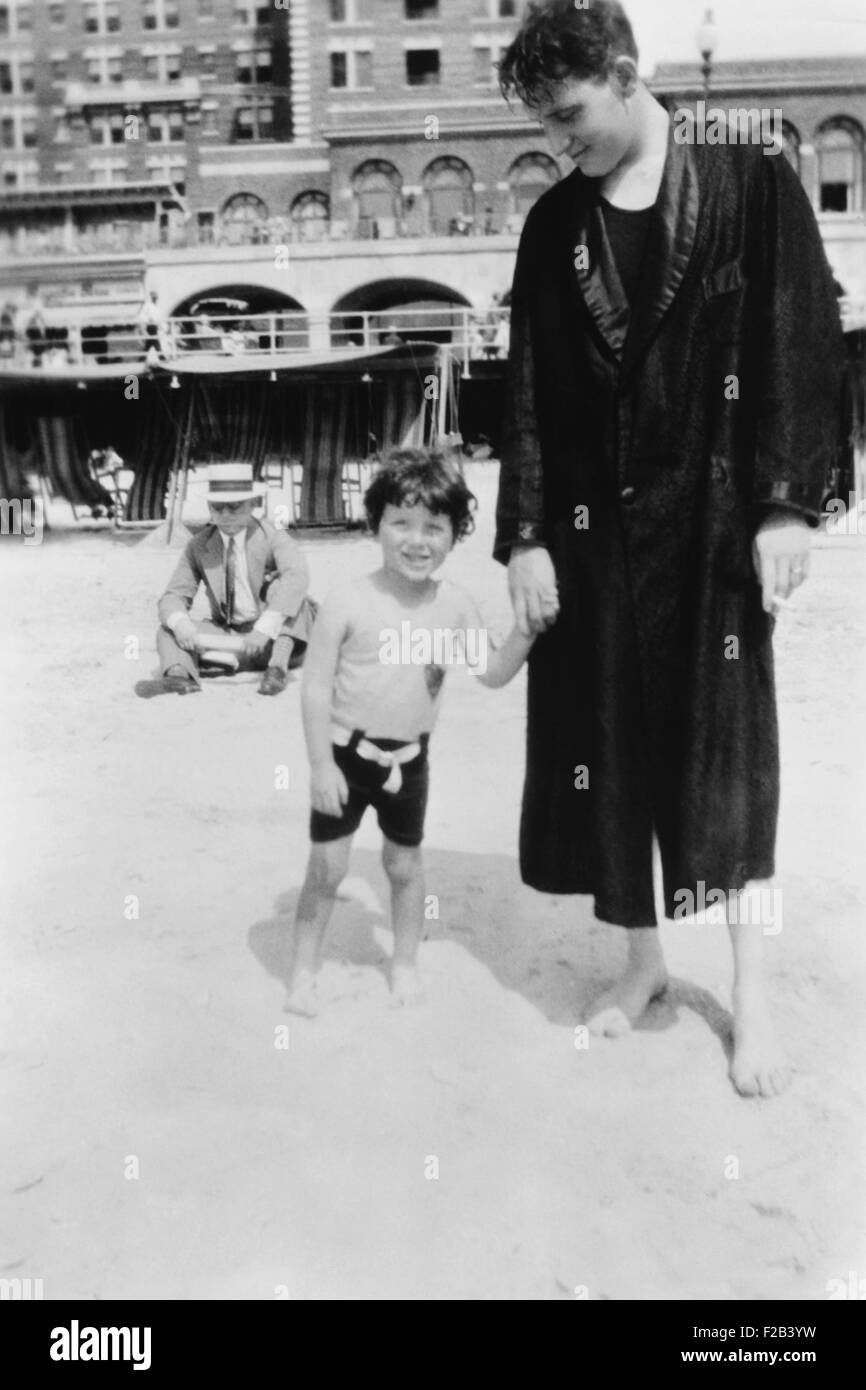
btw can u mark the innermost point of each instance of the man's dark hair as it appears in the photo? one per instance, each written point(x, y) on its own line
point(557, 40)
point(409, 476)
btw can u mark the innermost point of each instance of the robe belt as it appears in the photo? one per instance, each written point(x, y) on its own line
point(371, 753)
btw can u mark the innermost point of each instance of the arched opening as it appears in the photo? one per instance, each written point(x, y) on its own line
point(840, 147)
point(389, 312)
point(311, 214)
point(378, 189)
point(240, 317)
point(243, 220)
point(530, 176)
point(448, 196)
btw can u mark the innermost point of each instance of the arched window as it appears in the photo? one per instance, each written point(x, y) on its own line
point(450, 200)
point(791, 145)
point(377, 187)
point(244, 218)
point(311, 213)
point(840, 147)
point(529, 177)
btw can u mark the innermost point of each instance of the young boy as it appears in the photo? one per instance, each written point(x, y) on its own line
point(370, 696)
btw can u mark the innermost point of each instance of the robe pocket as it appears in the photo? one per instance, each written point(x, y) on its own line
point(724, 297)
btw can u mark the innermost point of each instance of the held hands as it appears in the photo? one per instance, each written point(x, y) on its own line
point(185, 634)
point(532, 585)
point(328, 790)
point(781, 556)
point(255, 643)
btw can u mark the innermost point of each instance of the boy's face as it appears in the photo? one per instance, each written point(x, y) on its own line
point(232, 517)
point(414, 541)
point(588, 121)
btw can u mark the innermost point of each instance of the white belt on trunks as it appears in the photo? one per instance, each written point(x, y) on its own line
point(371, 752)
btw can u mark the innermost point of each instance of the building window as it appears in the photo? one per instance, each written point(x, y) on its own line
point(529, 177)
point(6, 79)
point(840, 166)
point(171, 14)
point(91, 18)
point(166, 127)
point(487, 54)
point(244, 218)
point(207, 62)
point(61, 130)
point(422, 67)
point(497, 9)
point(254, 68)
point(378, 189)
point(339, 70)
point(150, 14)
point(59, 68)
point(57, 16)
point(205, 9)
point(338, 12)
point(4, 21)
point(107, 171)
point(24, 19)
point(310, 214)
point(112, 17)
point(449, 198)
point(421, 9)
point(7, 133)
point(254, 121)
point(114, 68)
point(25, 76)
point(168, 168)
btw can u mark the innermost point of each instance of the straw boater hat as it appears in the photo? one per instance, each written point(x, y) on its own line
point(231, 482)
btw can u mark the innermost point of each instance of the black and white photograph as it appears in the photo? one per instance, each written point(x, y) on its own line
point(433, 559)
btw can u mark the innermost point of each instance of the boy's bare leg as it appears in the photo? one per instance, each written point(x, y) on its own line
point(405, 870)
point(644, 978)
point(326, 869)
point(759, 1067)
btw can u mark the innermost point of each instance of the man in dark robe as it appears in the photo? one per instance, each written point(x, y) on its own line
point(673, 411)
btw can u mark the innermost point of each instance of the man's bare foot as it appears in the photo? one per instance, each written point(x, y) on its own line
point(759, 1066)
point(406, 986)
point(620, 1007)
point(301, 998)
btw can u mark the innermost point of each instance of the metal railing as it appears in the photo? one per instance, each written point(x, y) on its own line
point(474, 334)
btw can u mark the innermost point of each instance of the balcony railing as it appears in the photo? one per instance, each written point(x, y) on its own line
point(474, 334)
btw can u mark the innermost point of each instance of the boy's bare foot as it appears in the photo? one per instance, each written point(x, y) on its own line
point(620, 1007)
point(759, 1066)
point(406, 986)
point(301, 998)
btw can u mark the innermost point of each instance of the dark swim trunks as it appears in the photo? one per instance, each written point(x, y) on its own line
point(400, 813)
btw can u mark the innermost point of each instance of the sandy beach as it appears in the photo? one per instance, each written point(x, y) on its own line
point(172, 1133)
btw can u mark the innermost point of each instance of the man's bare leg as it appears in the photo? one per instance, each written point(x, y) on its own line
point(404, 867)
point(326, 869)
point(645, 977)
point(758, 1067)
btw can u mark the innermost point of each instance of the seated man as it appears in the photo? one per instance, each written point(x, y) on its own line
point(255, 578)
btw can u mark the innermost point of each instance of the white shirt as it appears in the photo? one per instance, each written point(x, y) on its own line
point(245, 605)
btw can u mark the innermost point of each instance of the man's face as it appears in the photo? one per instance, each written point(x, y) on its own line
point(232, 517)
point(587, 121)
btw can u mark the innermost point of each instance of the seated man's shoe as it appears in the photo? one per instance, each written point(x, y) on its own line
point(176, 681)
point(273, 681)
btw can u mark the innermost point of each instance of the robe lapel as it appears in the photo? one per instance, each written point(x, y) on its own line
point(598, 283)
point(669, 248)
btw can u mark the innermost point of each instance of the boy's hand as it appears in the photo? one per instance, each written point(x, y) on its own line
point(185, 634)
point(532, 585)
point(329, 791)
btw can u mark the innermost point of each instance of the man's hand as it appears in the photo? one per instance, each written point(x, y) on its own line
point(532, 585)
point(255, 643)
point(185, 634)
point(328, 789)
point(781, 555)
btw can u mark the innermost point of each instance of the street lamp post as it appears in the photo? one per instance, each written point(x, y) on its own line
point(707, 39)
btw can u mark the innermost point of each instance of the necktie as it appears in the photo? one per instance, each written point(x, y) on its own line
point(231, 561)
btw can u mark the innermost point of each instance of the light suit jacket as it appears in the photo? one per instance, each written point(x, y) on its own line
point(277, 570)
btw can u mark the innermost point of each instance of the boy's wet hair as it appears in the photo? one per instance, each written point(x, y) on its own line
point(558, 40)
point(409, 476)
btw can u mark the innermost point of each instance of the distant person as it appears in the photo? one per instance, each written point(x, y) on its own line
point(369, 710)
point(255, 578)
point(391, 337)
point(149, 318)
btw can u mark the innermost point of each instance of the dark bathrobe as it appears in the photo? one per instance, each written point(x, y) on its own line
point(658, 676)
